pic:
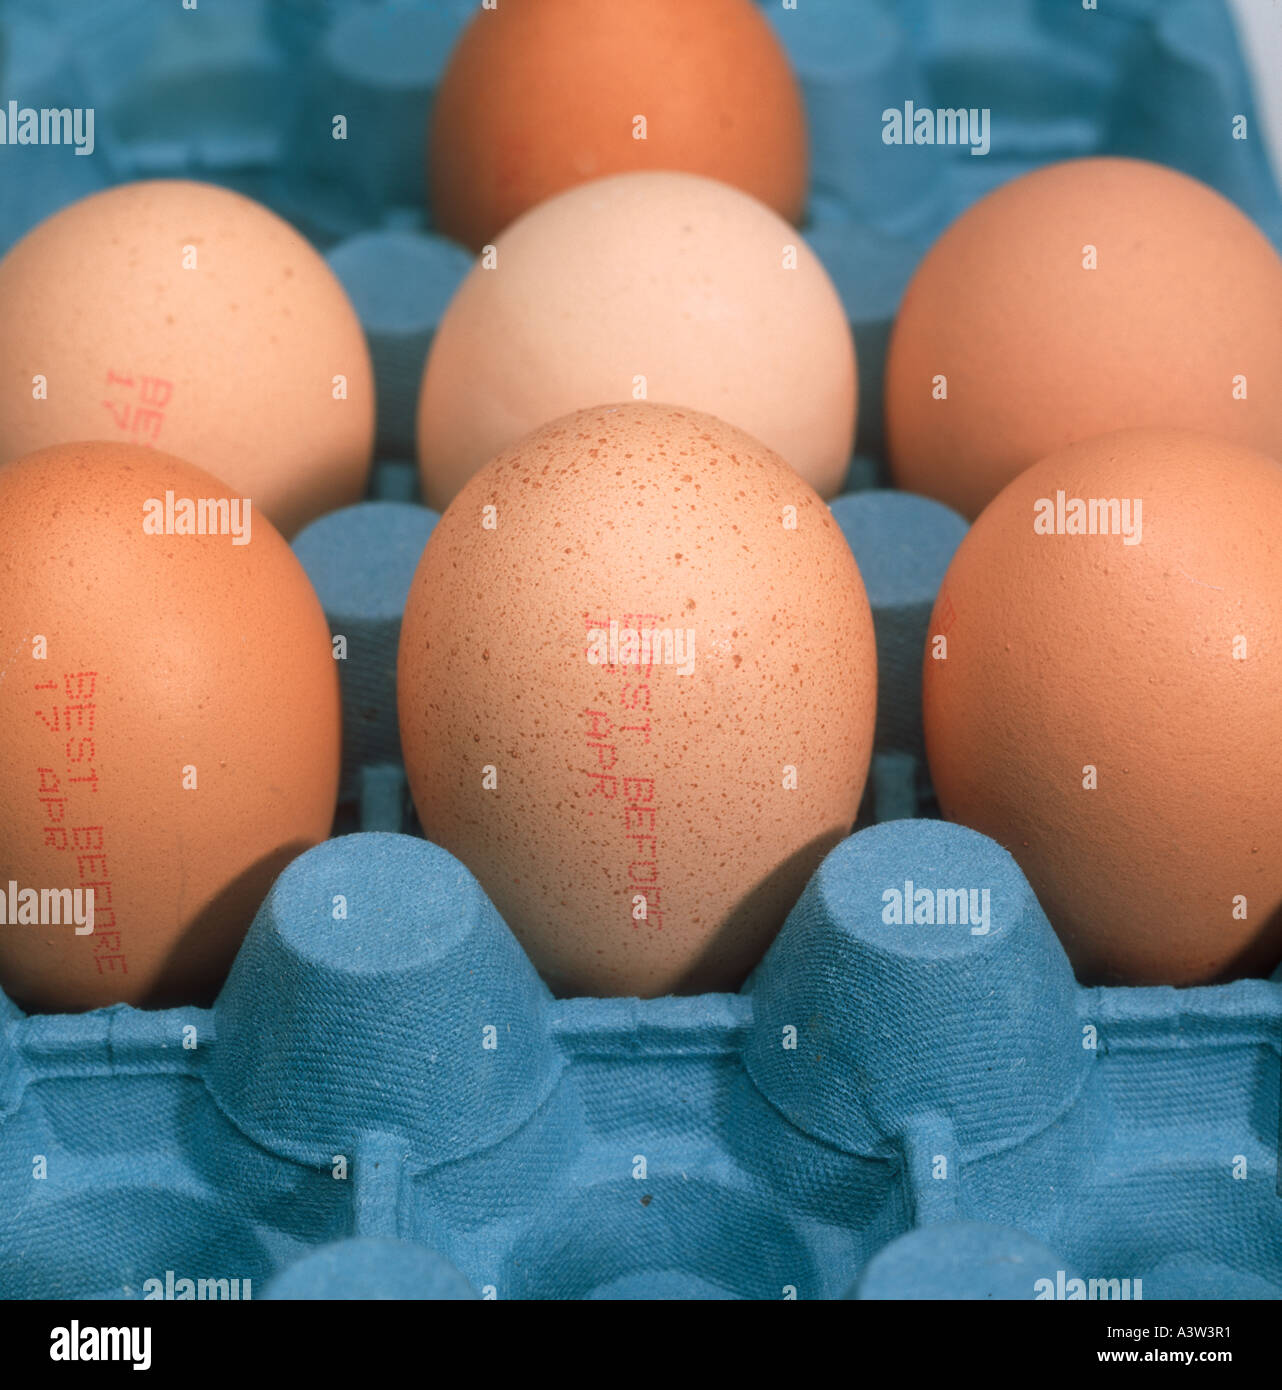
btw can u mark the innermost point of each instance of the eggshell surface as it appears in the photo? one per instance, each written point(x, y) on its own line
point(541, 95)
point(169, 726)
point(191, 319)
point(642, 828)
point(1111, 712)
point(1085, 297)
point(658, 286)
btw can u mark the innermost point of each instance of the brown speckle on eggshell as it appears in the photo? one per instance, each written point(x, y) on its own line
point(624, 781)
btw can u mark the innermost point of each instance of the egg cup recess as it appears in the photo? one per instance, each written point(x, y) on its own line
point(403, 1073)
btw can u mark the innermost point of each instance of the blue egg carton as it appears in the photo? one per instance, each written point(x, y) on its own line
point(385, 1100)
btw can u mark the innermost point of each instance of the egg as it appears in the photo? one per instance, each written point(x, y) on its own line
point(1103, 696)
point(190, 319)
point(541, 95)
point(169, 725)
point(657, 286)
point(637, 686)
point(1085, 297)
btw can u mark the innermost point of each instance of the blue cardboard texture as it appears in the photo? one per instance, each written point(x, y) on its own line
point(385, 1101)
point(400, 283)
point(384, 1064)
point(361, 561)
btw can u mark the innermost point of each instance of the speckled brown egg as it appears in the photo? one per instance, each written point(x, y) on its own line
point(187, 318)
point(169, 724)
point(637, 682)
point(1103, 696)
point(541, 95)
point(1088, 296)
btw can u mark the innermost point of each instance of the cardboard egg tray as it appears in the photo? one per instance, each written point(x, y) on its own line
point(385, 1100)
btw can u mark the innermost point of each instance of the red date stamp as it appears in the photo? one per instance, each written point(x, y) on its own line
point(614, 738)
point(137, 404)
point(66, 789)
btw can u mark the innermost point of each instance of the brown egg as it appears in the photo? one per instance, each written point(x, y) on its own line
point(661, 286)
point(637, 682)
point(540, 95)
point(1110, 708)
point(169, 723)
point(1085, 297)
point(191, 319)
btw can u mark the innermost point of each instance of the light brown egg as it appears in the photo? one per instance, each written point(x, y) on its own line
point(188, 318)
point(1111, 711)
point(643, 825)
point(1088, 296)
point(663, 286)
point(169, 724)
point(541, 95)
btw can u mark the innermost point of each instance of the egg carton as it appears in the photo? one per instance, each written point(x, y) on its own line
point(385, 1100)
point(243, 93)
